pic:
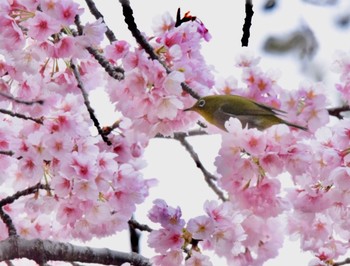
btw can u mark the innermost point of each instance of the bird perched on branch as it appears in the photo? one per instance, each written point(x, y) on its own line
point(217, 109)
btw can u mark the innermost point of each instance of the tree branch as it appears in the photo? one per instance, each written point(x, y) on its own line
point(8, 200)
point(8, 153)
point(97, 14)
point(207, 176)
point(19, 100)
point(247, 22)
point(88, 105)
point(25, 192)
point(115, 72)
point(142, 227)
point(42, 251)
point(346, 261)
point(336, 111)
point(18, 115)
point(130, 21)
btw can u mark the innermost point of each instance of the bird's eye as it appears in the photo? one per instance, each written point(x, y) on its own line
point(201, 103)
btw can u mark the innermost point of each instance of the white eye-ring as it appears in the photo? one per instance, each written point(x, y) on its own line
point(201, 103)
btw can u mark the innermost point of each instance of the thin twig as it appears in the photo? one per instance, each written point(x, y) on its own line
point(191, 133)
point(20, 101)
point(10, 199)
point(13, 114)
point(207, 176)
point(97, 14)
point(88, 105)
point(247, 22)
point(115, 72)
point(25, 192)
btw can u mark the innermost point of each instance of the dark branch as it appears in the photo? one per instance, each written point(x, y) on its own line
point(8, 153)
point(42, 251)
point(25, 192)
point(97, 14)
point(207, 176)
point(130, 21)
point(88, 105)
point(346, 261)
point(13, 114)
point(190, 91)
point(134, 238)
point(8, 221)
point(141, 227)
point(336, 111)
point(8, 200)
point(20, 101)
point(247, 22)
point(115, 72)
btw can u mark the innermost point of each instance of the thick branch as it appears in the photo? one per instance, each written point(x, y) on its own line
point(336, 111)
point(8, 221)
point(142, 227)
point(247, 22)
point(97, 14)
point(42, 251)
point(207, 176)
point(88, 105)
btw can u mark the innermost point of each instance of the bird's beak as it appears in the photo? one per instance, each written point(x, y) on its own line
point(188, 109)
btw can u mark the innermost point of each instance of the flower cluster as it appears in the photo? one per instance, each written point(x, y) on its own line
point(94, 188)
point(157, 97)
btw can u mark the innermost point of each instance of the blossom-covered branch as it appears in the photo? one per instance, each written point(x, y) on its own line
point(97, 14)
point(113, 71)
point(22, 116)
point(10, 199)
point(42, 251)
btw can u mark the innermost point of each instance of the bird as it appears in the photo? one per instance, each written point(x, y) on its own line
point(217, 109)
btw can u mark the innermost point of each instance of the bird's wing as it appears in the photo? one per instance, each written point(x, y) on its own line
point(250, 108)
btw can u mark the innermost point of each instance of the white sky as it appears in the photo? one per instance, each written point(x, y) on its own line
point(181, 184)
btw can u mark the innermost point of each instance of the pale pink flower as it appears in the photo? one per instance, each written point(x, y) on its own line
point(163, 240)
point(171, 258)
point(201, 227)
point(198, 259)
point(117, 50)
point(42, 26)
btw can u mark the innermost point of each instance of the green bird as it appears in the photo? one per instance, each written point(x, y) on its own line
point(217, 109)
